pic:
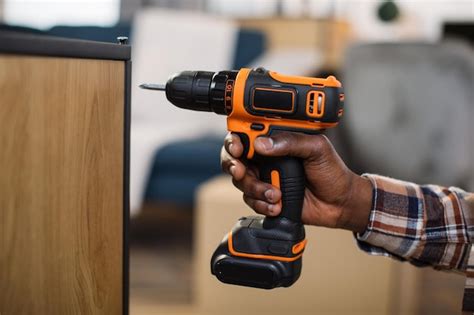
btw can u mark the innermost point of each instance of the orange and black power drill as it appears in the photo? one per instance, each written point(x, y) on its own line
point(262, 252)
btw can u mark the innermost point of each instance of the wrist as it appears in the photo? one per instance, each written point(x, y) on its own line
point(359, 204)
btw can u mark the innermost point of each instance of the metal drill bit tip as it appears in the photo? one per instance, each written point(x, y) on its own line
point(156, 87)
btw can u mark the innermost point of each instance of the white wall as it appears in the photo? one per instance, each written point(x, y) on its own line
point(1, 10)
point(43, 14)
point(420, 19)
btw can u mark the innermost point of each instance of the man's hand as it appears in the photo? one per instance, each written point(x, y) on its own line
point(334, 196)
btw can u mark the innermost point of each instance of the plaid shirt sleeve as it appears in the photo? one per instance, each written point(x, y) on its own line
point(426, 225)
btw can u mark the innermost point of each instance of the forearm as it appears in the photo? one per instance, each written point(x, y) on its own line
point(426, 225)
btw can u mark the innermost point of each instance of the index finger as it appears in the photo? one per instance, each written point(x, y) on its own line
point(233, 145)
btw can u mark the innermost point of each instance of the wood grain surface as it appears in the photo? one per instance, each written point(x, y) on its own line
point(61, 185)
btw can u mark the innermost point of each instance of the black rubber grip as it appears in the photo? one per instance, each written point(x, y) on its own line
point(292, 182)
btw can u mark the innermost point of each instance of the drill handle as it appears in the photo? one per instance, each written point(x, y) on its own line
point(286, 173)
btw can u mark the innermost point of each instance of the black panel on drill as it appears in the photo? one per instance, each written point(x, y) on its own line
point(273, 100)
point(262, 79)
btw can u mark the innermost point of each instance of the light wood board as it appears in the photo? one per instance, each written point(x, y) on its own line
point(61, 185)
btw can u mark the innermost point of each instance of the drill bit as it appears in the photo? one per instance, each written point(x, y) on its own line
point(151, 86)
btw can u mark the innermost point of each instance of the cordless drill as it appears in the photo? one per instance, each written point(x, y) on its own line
point(262, 252)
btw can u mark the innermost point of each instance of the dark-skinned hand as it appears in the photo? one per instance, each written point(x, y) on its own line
point(334, 197)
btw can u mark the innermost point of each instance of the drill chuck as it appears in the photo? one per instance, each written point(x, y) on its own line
point(199, 90)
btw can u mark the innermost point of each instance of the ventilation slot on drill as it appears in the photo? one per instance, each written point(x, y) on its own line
point(315, 104)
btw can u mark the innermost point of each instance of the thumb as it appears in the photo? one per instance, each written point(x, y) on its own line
point(293, 144)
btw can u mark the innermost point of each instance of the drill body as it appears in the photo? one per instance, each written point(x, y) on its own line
point(263, 252)
point(260, 102)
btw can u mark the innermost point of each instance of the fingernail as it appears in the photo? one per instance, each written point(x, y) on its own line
point(269, 195)
point(230, 147)
point(266, 142)
point(232, 170)
point(271, 208)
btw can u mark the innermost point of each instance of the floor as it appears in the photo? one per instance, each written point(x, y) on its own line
point(160, 278)
point(161, 270)
point(161, 274)
point(160, 261)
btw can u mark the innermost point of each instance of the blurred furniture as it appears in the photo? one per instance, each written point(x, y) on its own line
point(337, 278)
point(459, 30)
point(95, 33)
point(64, 130)
point(180, 167)
point(254, 38)
point(251, 43)
point(18, 29)
point(172, 177)
point(409, 110)
point(162, 46)
point(328, 37)
point(408, 114)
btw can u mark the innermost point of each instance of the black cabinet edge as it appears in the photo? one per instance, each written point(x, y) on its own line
point(42, 45)
point(126, 190)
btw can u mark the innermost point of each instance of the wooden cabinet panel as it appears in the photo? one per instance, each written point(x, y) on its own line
point(61, 185)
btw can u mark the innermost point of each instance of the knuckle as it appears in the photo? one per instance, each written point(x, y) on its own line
point(225, 167)
point(288, 140)
point(318, 145)
point(285, 143)
point(281, 137)
point(256, 205)
point(235, 138)
point(254, 189)
point(225, 161)
point(322, 140)
point(228, 137)
point(261, 207)
point(290, 137)
point(228, 140)
point(249, 201)
point(323, 144)
point(224, 154)
point(233, 145)
point(237, 184)
point(226, 146)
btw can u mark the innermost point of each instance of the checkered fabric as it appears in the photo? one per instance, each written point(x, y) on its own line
point(426, 225)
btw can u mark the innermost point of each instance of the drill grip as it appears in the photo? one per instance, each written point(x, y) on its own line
point(287, 173)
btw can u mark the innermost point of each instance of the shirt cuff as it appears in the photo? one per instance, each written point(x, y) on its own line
point(392, 229)
point(426, 224)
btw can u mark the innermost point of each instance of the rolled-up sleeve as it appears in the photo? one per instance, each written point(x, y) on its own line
point(423, 224)
point(427, 225)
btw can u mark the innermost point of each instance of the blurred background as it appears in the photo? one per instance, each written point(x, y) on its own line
point(407, 68)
